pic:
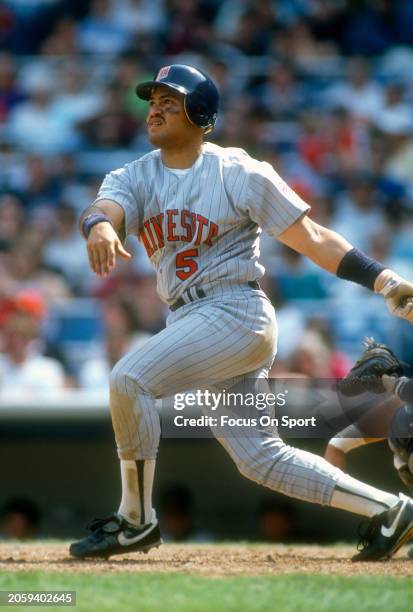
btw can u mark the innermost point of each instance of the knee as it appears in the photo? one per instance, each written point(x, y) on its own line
point(122, 380)
point(251, 471)
point(261, 463)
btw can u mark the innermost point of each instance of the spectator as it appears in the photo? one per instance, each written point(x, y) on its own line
point(34, 126)
point(121, 316)
point(62, 40)
point(139, 16)
point(276, 520)
point(98, 33)
point(23, 368)
point(112, 127)
point(357, 215)
point(94, 373)
point(76, 100)
point(298, 279)
point(10, 92)
point(38, 187)
point(281, 95)
point(358, 93)
point(11, 220)
point(395, 109)
point(312, 357)
point(336, 127)
point(65, 251)
point(399, 163)
point(19, 519)
point(22, 266)
point(177, 516)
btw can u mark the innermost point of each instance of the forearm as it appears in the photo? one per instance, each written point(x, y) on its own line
point(350, 438)
point(326, 248)
point(375, 422)
point(333, 253)
point(102, 225)
point(323, 246)
point(109, 208)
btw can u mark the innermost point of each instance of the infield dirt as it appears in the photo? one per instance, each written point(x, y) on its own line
point(206, 560)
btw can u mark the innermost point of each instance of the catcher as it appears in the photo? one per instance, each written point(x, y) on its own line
point(378, 371)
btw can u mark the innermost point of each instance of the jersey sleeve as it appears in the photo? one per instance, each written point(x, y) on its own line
point(270, 202)
point(119, 187)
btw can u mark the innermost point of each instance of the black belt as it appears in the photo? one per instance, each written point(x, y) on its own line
point(200, 293)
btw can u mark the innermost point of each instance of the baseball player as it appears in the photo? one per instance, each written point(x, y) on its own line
point(392, 420)
point(386, 417)
point(199, 209)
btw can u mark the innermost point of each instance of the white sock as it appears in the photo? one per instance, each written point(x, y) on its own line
point(355, 496)
point(137, 482)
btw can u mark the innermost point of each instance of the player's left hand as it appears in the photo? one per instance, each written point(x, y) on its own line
point(398, 294)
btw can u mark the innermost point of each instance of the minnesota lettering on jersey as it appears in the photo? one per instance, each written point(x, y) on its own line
point(176, 226)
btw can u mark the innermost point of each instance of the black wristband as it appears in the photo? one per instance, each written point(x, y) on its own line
point(91, 220)
point(358, 267)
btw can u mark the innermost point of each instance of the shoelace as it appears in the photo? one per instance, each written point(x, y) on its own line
point(366, 532)
point(98, 523)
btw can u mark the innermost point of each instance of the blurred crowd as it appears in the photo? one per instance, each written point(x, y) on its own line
point(180, 517)
point(322, 89)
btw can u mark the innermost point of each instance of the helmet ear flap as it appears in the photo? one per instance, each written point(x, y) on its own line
point(197, 110)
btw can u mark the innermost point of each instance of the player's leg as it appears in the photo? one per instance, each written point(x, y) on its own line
point(264, 458)
point(303, 475)
point(196, 346)
point(261, 455)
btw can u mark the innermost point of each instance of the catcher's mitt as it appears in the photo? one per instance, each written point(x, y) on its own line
point(376, 360)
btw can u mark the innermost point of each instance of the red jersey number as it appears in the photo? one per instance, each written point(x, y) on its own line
point(186, 264)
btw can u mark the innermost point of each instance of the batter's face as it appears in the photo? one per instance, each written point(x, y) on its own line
point(166, 120)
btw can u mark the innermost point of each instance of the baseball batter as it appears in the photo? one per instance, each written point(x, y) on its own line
point(199, 209)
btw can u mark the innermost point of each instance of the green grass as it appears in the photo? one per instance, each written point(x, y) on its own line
point(183, 593)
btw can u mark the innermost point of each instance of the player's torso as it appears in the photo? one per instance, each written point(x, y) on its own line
point(193, 228)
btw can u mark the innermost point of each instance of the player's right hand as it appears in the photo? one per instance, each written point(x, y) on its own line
point(103, 245)
point(397, 292)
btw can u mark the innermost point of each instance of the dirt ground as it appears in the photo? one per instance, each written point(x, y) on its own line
point(206, 560)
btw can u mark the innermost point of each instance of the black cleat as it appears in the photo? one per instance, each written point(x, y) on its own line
point(115, 536)
point(387, 532)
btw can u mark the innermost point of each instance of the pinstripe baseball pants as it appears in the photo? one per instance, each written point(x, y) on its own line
point(218, 338)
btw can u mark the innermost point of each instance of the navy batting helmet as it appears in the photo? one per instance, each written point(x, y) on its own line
point(200, 93)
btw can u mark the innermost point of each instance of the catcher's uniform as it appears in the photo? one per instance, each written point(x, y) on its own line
point(201, 229)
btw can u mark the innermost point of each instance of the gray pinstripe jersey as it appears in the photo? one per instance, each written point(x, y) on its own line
point(202, 228)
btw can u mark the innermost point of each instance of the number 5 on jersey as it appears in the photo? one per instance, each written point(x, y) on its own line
point(186, 265)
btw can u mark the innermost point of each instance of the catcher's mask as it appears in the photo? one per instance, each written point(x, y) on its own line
point(201, 96)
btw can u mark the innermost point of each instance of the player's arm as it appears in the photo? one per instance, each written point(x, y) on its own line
point(101, 225)
point(331, 251)
point(372, 426)
point(339, 446)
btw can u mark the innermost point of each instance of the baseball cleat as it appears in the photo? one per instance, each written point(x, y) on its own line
point(115, 536)
point(387, 532)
